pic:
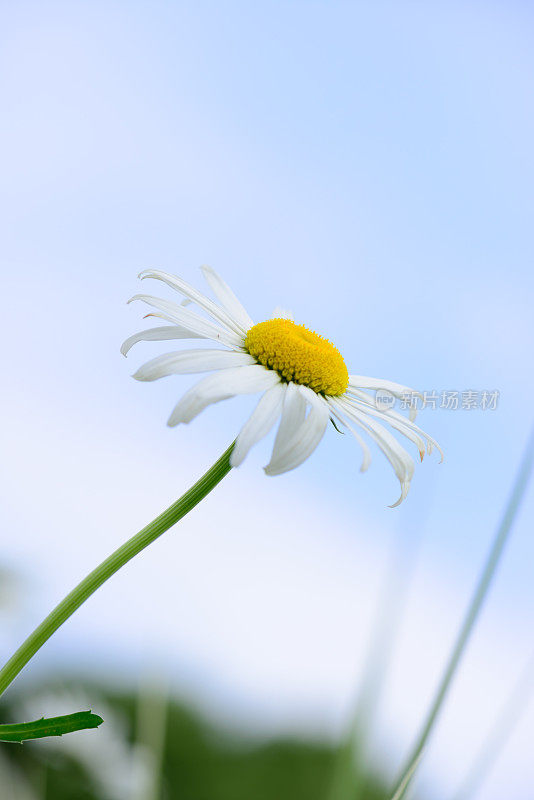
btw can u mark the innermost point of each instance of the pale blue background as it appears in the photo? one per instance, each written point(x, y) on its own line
point(368, 165)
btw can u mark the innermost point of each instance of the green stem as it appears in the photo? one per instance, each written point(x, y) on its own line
point(111, 565)
point(471, 616)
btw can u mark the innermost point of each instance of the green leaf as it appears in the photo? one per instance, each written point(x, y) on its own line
point(53, 726)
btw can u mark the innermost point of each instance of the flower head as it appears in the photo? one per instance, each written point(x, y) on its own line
point(303, 379)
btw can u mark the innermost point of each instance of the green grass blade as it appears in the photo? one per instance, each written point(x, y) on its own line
point(53, 726)
point(473, 611)
point(406, 780)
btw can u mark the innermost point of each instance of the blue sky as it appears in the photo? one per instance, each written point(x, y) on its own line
point(368, 166)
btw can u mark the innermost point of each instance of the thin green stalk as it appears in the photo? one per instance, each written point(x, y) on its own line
point(111, 565)
point(406, 780)
point(471, 617)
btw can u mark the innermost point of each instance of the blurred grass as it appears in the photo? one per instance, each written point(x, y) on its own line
point(198, 762)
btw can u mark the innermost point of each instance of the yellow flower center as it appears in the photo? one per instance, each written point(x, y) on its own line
point(298, 355)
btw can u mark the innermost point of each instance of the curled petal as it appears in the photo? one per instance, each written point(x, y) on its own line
point(197, 297)
point(399, 459)
point(186, 318)
point(160, 334)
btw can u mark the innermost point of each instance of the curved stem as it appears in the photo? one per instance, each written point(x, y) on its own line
point(111, 565)
point(471, 617)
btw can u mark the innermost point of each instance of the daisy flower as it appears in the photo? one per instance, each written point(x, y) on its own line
point(302, 377)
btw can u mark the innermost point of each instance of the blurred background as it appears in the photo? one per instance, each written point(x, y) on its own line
point(370, 167)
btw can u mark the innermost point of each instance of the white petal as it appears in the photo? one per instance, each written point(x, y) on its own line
point(408, 424)
point(399, 422)
point(396, 389)
point(363, 395)
point(364, 382)
point(293, 415)
point(220, 386)
point(197, 297)
point(366, 460)
point(282, 313)
point(204, 328)
point(227, 298)
point(399, 459)
point(306, 437)
point(160, 334)
point(259, 423)
point(186, 361)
